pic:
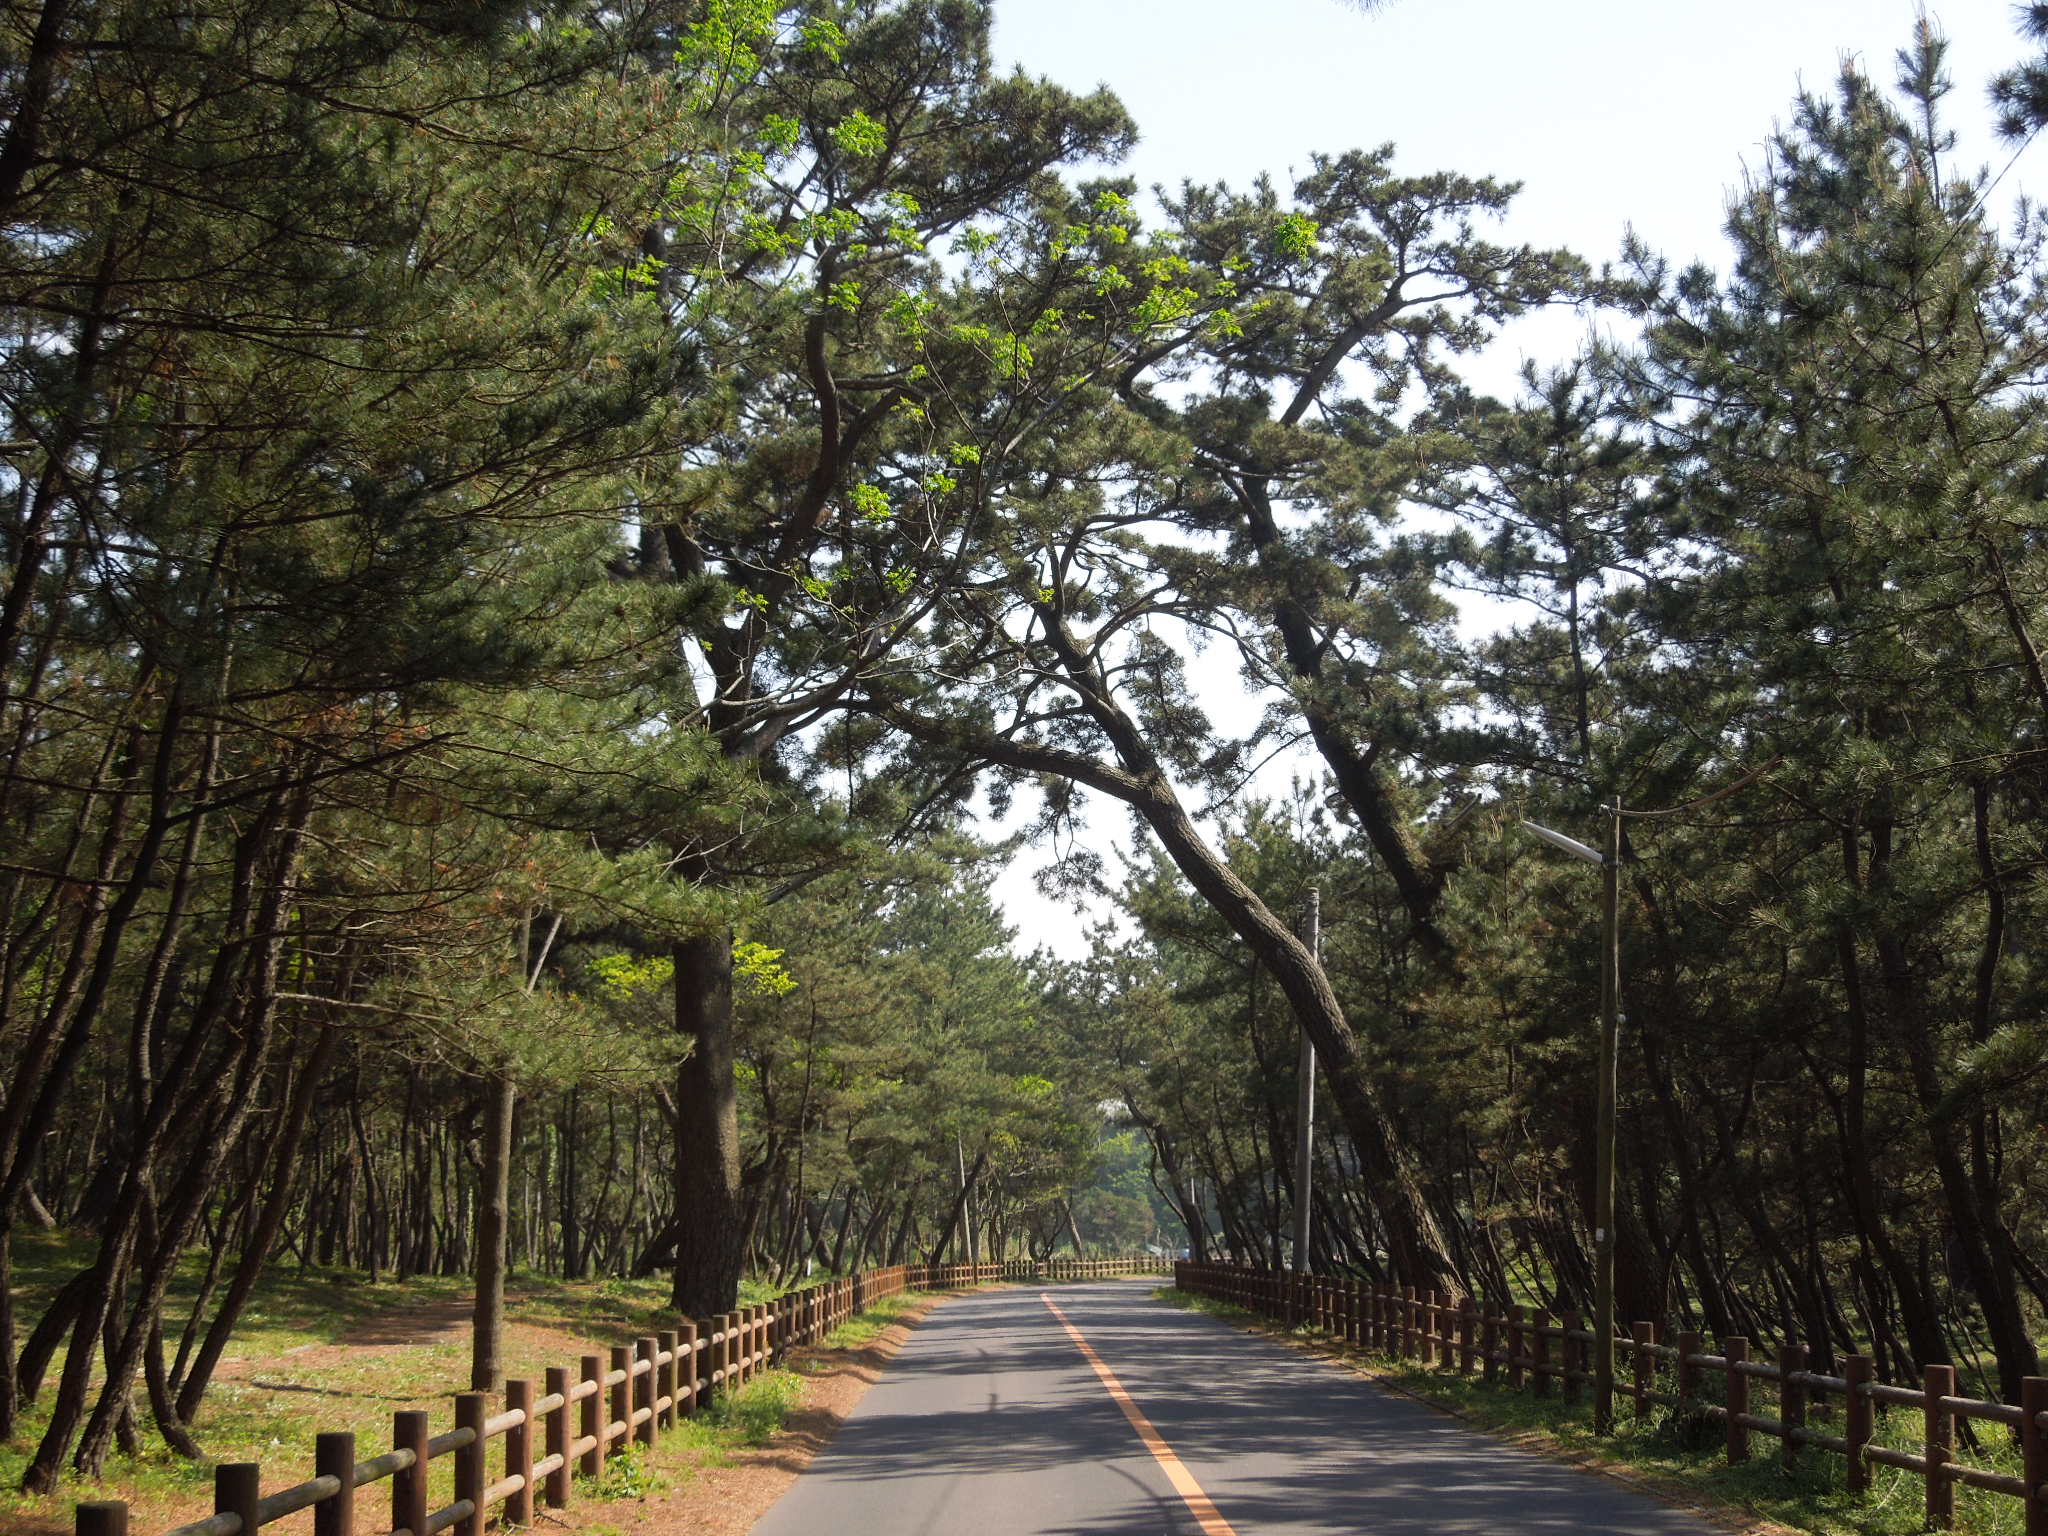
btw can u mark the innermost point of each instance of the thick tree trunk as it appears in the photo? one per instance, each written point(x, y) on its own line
point(10, 1400)
point(1420, 1255)
point(574, 1249)
point(1368, 789)
point(493, 1218)
point(710, 1213)
point(1419, 1250)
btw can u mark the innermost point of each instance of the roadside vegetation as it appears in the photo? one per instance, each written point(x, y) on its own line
point(1679, 1456)
point(553, 550)
point(326, 1350)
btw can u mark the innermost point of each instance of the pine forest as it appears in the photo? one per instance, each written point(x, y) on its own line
point(554, 553)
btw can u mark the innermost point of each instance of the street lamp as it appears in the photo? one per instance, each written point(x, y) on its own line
point(1305, 1102)
point(1603, 1173)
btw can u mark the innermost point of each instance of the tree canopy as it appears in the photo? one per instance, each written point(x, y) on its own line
point(543, 538)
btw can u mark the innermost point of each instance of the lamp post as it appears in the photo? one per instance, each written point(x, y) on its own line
point(1603, 1130)
point(1305, 1102)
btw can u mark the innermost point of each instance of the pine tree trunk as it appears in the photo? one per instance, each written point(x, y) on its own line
point(10, 1400)
point(573, 1262)
point(487, 1334)
point(710, 1218)
point(282, 1155)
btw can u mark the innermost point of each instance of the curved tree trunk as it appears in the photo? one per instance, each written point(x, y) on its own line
point(1419, 1253)
point(282, 1156)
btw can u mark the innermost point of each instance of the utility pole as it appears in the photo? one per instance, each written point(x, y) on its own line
point(1603, 1176)
point(966, 1203)
point(1610, 1031)
point(1603, 1121)
point(1305, 1103)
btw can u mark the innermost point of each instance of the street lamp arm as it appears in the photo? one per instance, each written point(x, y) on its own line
point(1570, 845)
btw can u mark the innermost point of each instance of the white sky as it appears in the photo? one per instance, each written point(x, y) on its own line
point(1611, 113)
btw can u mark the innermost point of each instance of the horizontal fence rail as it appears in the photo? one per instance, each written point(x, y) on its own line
point(1526, 1347)
point(579, 1420)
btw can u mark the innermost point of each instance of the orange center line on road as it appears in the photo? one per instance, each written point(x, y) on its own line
point(1184, 1484)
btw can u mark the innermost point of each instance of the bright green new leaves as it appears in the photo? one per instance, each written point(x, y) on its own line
point(859, 134)
point(761, 968)
point(1295, 237)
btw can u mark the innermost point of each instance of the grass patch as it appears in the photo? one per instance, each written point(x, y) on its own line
point(1207, 1306)
point(753, 1415)
point(862, 1329)
point(1813, 1496)
point(272, 1415)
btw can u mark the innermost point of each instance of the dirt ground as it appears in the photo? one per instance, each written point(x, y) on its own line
point(408, 1359)
point(727, 1500)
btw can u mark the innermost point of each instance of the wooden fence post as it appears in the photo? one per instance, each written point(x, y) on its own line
point(334, 1455)
point(619, 1405)
point(1410, 1307)
point(1937, 1382)
point(1857, 1415)
point(1489, 1347)
point(1574, 1378)
point(1735, 1351)
point(643, 1388)
point(470, 1413)
point(1539, 1351)
point(235, 1492)
point(686, 1367)
point(2034, 1451)
point(1791, 1399)
point(1517, 1355)
point(1644, 1335)
point(101, 1517)
point(557, 1383)
point(1688, 1373)
point(665, 1379)
point(1467, 1315)
point(592, 1415)
point(519, 1451)
point(410, 1431)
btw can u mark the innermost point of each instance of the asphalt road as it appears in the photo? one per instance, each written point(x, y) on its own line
point(993, 1421)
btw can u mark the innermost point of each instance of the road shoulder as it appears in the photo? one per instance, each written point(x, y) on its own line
point(1668, 1491)
point(727, 1495)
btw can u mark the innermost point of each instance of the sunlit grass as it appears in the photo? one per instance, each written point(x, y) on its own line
point(862, 1329)
point(273, 1415)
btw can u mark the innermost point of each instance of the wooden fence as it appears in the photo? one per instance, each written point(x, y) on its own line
point(641, 1390)
point(1525, 1346)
